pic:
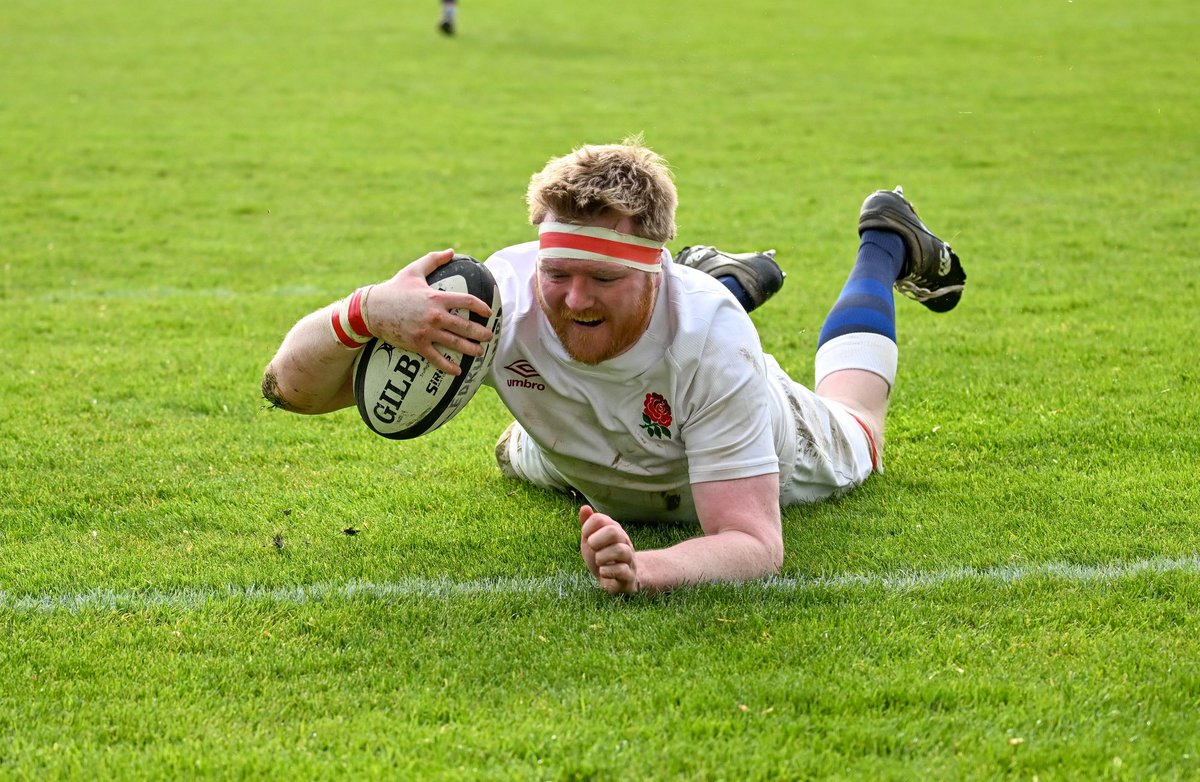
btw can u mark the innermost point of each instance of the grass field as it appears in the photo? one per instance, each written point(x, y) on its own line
point(1016, 598)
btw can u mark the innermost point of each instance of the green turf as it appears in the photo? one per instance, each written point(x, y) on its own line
point(179, 596)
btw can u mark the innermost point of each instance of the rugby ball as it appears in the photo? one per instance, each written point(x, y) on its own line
point(400, 394)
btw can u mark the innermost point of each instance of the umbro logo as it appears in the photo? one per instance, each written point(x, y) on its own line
point(524, 370)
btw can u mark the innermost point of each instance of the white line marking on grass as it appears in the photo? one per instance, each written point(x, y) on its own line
point(565, 584)
point(322, 592)
point(1000, 574)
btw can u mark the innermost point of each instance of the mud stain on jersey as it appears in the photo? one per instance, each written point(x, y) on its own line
point(751, 359)
point(673, 501)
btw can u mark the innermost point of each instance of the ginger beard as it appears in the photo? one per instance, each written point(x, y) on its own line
point(611, 325)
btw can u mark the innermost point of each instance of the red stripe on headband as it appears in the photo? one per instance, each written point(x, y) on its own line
point(648, 256)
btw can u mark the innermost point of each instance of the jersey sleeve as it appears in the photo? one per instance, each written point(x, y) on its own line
point(511, 269)
point(726, 425)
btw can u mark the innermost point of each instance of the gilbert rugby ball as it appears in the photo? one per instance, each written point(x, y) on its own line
point(401, 394)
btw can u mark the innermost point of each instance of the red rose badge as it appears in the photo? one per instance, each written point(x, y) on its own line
point(657, 416)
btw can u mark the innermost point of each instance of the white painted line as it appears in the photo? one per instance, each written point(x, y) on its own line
point(999, 575)
point(569, 584)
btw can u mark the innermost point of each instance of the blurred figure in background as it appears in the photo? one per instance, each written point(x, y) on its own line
point(449, 16)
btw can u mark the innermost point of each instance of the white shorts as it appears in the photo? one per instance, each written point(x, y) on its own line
point(831, 453)
point(518, 457)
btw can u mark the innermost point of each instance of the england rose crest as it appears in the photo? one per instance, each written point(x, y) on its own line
point(656, 418)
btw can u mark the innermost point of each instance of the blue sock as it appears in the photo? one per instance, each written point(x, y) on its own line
point(866, 303)
point(738, 291)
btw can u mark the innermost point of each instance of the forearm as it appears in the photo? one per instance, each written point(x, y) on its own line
point(742, 541)
point(310, 373)
point(731, 555)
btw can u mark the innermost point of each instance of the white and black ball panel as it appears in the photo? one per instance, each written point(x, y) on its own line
point(399, 393)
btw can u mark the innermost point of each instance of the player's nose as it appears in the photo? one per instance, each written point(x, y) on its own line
point(579, 294)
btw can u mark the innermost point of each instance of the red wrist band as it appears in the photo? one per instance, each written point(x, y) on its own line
point(348, 320)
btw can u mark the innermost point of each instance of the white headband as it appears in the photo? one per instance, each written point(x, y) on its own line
point(589, 243)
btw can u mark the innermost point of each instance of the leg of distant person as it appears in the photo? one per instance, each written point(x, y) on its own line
point(449, 16)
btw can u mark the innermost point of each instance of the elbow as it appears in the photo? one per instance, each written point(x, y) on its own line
point(773, 556)
point(771, 545)
point(273, 392)
point(765, 557)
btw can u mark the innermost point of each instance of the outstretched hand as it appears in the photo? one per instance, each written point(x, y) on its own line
point(608, 552)
point(408, 313)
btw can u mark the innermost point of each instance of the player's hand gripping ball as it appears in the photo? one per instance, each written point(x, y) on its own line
point(401, 394)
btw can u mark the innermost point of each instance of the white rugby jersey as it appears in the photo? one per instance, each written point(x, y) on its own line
point(694, 400)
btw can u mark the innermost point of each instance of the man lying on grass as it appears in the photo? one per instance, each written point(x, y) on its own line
point(651, 395)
